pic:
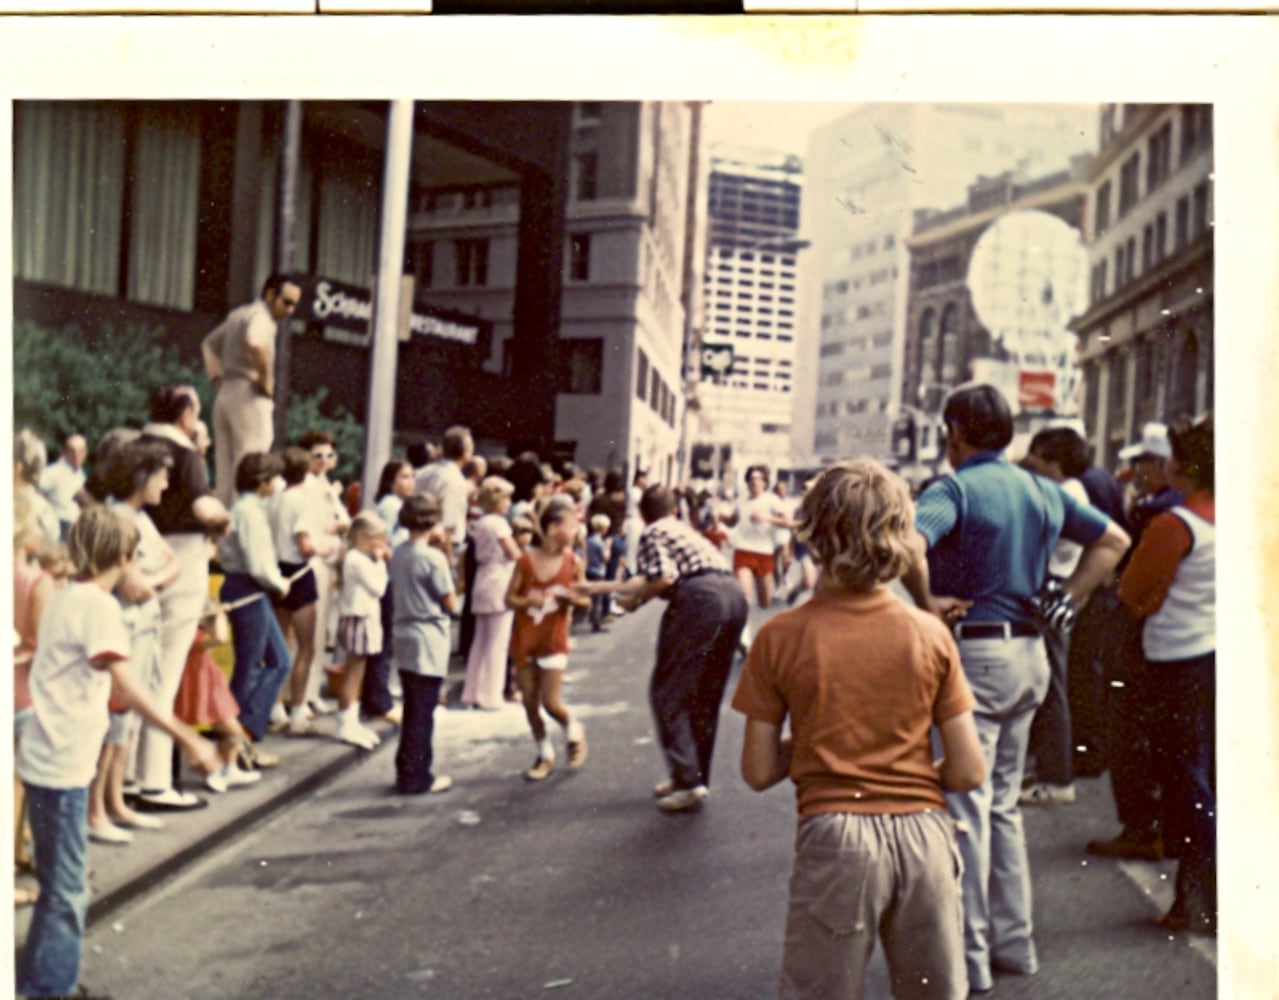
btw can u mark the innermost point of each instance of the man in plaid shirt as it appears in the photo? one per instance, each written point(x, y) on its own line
point(699, 633)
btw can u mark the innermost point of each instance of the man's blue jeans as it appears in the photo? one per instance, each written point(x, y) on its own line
point(60, 832)
point(262, 662)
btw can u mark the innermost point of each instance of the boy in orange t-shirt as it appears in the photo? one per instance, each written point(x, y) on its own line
point(863, 678)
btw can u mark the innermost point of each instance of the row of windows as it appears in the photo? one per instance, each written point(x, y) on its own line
point(650, 387)
point(471, 262)
point(1196, 134)
point(887, 243)
point(1191, 219)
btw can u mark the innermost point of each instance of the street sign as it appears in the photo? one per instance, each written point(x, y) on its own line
point(1037, 390)
point(717, 360)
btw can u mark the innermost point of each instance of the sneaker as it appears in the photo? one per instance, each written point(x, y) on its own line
point(577, 752)
point(356, 735)
point(300, 725)
point(167, 800)
point(322, 706)
point(395, 716)
point(215, 781)
point(251, 758)
point(111, 834)
point(540, 769)
point(683, 799)
point(1044, 794)
point(442, 783)
point(236, 777)
point(663, 789)
point(1129, 844)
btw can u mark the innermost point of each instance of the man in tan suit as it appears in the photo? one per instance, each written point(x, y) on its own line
point(239, 357)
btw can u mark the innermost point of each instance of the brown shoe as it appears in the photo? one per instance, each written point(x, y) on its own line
point(1129, 845)
point(541, 768)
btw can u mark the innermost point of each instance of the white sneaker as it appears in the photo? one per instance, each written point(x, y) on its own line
point(1044, 794)
point(684, 799)
point(238, 778)
point(215, 781)
point(356, 735)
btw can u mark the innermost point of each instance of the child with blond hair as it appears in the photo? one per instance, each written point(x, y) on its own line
point(81, 659)
point(363, 582)
point(863, 679)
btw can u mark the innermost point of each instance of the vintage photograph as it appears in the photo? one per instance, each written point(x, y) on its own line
point(357, 426)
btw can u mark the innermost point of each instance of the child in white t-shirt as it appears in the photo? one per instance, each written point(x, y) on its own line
point(364, 580)
point(81, 659)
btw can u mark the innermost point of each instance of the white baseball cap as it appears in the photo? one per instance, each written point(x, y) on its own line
point(1153, 441)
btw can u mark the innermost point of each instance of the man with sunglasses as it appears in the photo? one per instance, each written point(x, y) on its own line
point(239, 357)
point(985, 534)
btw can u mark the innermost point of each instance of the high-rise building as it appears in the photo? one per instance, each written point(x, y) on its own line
point(1146, 341)
point(866, 173)
point(750, 294)
point(622, 328)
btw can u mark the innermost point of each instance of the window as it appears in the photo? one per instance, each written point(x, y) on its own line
point(1147, 248)
point(1119, 266)
point(641, 376)
point(585, 172)
point(1181, 232)
point(83, 146)
point(472, 262)
point(422, 263)
point(588, 112)
point(1131, 262)
point(1128, 180)
point(654, 387)
point(579, 257)
point(1161, 236)
point(1196, 129)
point(1159, 157)
point(1101, 211)
point(75, 165)
point(1200, 218)
point(584, 366)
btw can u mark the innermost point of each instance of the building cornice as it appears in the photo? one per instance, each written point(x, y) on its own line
point(964, 225)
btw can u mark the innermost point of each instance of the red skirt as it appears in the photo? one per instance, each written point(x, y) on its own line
point(204, 697)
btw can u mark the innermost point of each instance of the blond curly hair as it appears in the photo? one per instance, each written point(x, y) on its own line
point(857, 519)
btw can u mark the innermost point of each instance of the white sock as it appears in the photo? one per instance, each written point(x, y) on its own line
point(351, 715)
point(545, 750)
point(573, 731)
point(298, 714)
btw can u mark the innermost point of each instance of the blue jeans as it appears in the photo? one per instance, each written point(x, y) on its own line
point(262, 661)
point(60, 831)
point(1009, 678)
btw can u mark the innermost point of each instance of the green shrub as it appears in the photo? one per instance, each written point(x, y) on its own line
point(66, 381)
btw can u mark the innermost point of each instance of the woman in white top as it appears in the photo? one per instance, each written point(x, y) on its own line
point(495, 555)
point(754, 521)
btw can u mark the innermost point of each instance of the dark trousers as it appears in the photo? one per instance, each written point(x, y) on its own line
point(1050, 732)
point(696, 641)
point(414, 756)
point(1183, 737)
point(1086, 684)
point(1128, 710)
point(375, 691)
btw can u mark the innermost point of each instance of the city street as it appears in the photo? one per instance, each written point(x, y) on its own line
point(578, 885)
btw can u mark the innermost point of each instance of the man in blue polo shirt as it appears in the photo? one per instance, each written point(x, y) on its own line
point(985, 536)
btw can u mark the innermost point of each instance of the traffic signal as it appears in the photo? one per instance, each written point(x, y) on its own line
point(904, 441)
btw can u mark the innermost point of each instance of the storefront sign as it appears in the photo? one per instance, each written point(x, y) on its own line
point(349, 308)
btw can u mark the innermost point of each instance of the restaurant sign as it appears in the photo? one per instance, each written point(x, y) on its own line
point(346, 312)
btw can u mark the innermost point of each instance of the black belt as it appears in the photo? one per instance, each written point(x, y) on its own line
point(707, 571)
point(995, 630)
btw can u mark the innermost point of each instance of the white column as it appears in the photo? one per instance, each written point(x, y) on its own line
point(380, 422)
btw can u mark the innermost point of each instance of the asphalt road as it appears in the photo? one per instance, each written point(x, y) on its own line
point(578, 886)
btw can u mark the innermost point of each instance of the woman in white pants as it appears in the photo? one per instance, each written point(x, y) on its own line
point(187, 514)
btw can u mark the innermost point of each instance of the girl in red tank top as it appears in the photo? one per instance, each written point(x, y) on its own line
point(542, 596)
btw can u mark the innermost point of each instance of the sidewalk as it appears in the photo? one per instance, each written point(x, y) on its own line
point(120, 874)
